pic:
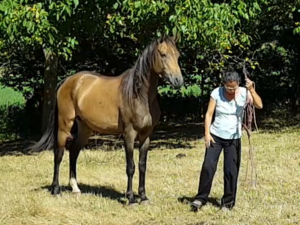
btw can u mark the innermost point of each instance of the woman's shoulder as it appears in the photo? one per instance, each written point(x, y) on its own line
point(217, 89)
point(243, 91)
point(216, 92)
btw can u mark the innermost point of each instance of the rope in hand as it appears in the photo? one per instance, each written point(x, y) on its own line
point(249, 115)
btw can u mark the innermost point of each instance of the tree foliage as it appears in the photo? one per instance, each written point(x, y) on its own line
point(108, 35)
point(37, 23)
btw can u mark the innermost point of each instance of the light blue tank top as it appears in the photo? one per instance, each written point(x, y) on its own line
point(228, 114)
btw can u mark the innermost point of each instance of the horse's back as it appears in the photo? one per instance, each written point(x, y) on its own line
point(96, 100)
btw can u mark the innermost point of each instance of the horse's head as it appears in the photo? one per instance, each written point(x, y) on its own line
point(166, 61)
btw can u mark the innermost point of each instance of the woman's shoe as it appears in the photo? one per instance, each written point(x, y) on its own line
point(196, 205)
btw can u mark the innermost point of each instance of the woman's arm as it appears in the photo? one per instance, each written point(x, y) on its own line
point(255, 97)
point(208, 119)
point(209, 114)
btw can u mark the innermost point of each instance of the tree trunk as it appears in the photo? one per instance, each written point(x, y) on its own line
point(50, 81)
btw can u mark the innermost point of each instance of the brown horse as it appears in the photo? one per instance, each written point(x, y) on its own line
point(125, 104)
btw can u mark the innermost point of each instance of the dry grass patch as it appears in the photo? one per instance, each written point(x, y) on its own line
point(25, 180)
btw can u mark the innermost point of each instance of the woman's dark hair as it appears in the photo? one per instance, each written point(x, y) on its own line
point(230, 77)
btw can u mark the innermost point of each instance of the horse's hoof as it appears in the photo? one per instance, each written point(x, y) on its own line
point(145, 202)
point(76, 193)
point(134, 204)
point(56, 191)
point(56, 195)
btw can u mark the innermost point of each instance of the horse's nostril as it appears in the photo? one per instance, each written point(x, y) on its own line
point(178, 81)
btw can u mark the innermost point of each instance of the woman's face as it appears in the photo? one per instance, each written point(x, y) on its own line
point(231, 87)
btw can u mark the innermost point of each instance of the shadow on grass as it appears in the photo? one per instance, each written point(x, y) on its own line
point(15, 148)
point(165, 136)
point(168, 136)
point(277, 124)
point(101, 191)
point(188, 200)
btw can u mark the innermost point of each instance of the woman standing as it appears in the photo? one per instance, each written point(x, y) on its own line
point(225, 133)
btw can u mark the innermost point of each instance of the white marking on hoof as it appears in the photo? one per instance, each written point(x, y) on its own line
point(75, 188)
point(145, 202)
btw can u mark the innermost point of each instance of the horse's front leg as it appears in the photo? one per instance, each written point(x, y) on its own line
point(144, 146)
point(129, 137)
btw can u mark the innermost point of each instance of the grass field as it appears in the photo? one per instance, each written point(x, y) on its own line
point(11, 104)
point(25, 180)
point(8, 96)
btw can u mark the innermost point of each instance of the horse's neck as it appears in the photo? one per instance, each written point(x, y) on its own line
point(152, 89)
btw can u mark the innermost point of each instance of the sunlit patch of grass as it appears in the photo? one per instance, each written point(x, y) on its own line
point(8, 96)
point(25, 180)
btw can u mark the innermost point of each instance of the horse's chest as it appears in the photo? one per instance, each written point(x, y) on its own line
point(142, 121)
point(147, 120)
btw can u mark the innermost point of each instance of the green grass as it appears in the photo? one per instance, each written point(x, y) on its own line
point(101, 174)
point(9, 96)
point(11, 106)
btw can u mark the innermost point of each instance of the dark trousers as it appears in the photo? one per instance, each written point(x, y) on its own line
point(232, 159)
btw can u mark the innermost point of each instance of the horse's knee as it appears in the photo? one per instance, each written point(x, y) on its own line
point(142, 167)
point(130, 169)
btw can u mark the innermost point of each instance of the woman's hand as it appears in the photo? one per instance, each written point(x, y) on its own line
point(249, 84)
point(208, 139)
point(256, 99)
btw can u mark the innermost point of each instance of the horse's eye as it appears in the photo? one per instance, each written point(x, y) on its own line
point(163, 55)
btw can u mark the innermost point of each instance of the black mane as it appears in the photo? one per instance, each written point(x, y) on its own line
point(136, 80)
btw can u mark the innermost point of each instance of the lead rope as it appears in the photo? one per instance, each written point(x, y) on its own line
point(249, 115)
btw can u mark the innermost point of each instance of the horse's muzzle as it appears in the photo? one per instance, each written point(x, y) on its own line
point(176, 81)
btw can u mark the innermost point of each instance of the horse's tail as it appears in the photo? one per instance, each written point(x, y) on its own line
point(49, 138)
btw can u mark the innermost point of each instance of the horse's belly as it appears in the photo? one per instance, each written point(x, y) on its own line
point(100, 114)
point(98, 104)
point(101, 121)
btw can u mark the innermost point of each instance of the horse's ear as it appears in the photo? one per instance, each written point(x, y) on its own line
point(176, 37)
point(162, 38)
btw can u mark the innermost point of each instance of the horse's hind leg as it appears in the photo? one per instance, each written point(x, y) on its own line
point(66, 116)
point(83, 135)
point(62, 136)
